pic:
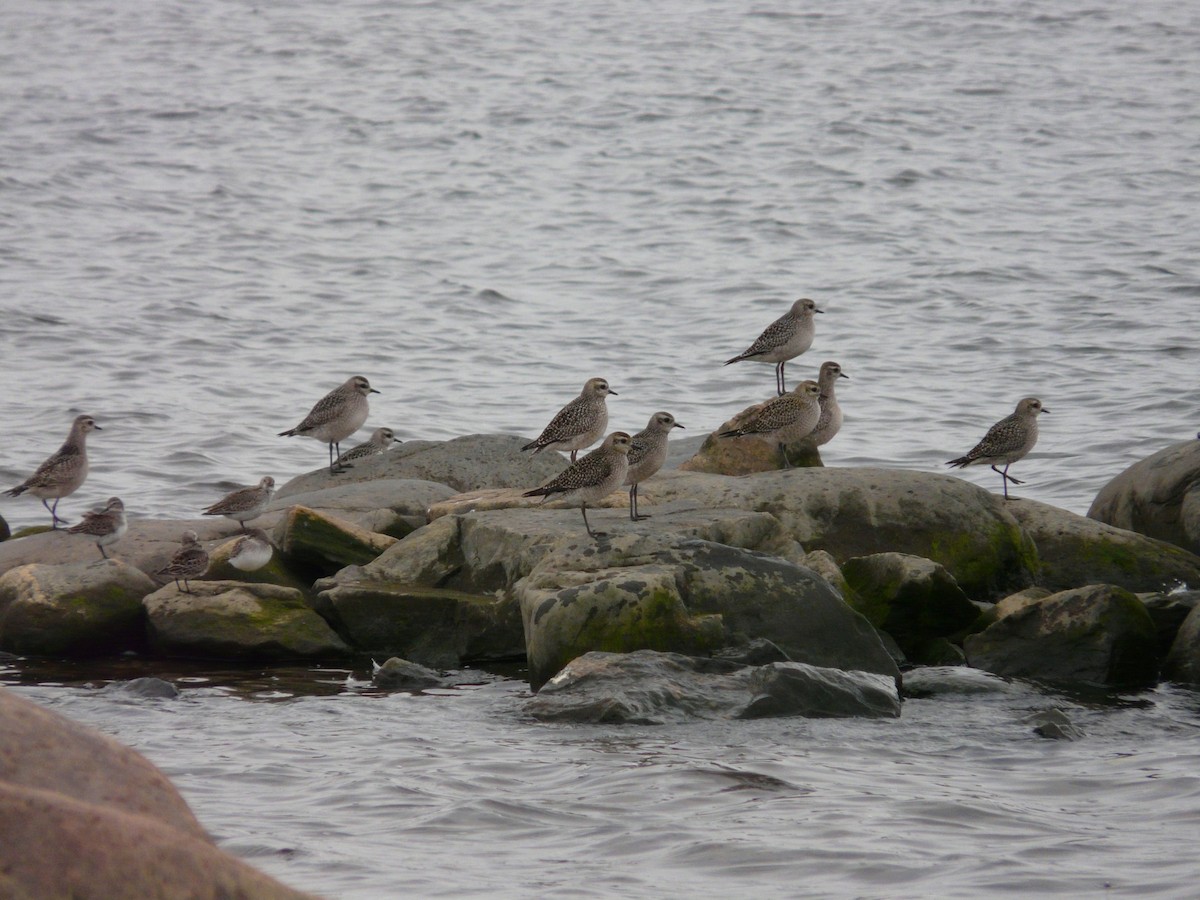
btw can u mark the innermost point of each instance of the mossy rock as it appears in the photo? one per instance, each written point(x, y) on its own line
point(277, 571)
point(315, 542)
point(746, 455)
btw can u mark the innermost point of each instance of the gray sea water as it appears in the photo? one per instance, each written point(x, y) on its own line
point(213, 213)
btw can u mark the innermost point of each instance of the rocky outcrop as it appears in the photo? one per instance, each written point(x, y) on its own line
point(403, 674)
point(320, 544)
point(391, 506)
point(1183, 660)
point(1158, 497)
point(649, 688)
point(80, 609)
point(746, 455)
point(1094, 635)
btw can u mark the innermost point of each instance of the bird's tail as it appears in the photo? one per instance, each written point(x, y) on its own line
point(732, 432)
point(17, 491)
point(532, 445)
point(737, 358)
point(289, 433)
point(961, 462)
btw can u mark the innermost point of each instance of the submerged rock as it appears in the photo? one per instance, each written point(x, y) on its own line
point(1158, 497)
point(149, 688)
point(400, 674)
point(1055, 725)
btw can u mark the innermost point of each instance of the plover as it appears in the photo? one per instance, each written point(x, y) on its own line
point(785, 338)
point(591, 478)
point(336, 416)
point(783, 419)
point(245, 503)
point(104, 527)
point(647, 453)
point(63, 473)
point(579, 424)
point(1007, 441)
point(189, 561)
point(830, 422)
point(381, 439)
point(251, 551)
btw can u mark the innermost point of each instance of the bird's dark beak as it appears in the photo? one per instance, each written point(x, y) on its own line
point(677, 425)
point(821, 311)
point(397, 441)
point(1045, 410)
point(97, 427)
point(372, 391)
point(842, 375)
point(614, 393)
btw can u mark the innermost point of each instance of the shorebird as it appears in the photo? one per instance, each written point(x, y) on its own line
point(785, 338)
point(783, 419)
point(63, 472)
point(647, 453)
point(830, 422)
point(1007, 441)
point(336, 416)
point(245, 503)
point(104, 527)
point(251, 551)
point(381, 439)
point(592, 478)
point(189, 561)
point(579, 424)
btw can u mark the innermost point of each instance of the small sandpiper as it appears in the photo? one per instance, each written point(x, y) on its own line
point(647, 453)
point(245, 503)
point(336, 416)
point(830, 422)
point(591, 478)
point(785, 338)
point(579, 424)
point(783, 419)
point(1007, 441)
point(189, 561)
point(381, 439)
point(104, 527)
point(63, 472)
point(251, 551)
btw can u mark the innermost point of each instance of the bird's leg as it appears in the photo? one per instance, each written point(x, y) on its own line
point(53, 510)
point(633, 505)
point(780, 382)
point(783, 453)
point(594, 534)
point(102, 553)
point(573, 452)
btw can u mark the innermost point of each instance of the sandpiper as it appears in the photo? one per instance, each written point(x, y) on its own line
point(104, 527)
point(245, 503)
point(579, 424)
point(1007, 441)
point(785, 338)
point(336, 416)
point(647, 453)
point(63, 473)
point(189, 561)
point(591, 478)
point(251, 551)
point(783, 419)
point(381, 439)
point(830, 422)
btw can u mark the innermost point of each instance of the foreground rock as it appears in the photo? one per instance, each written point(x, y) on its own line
point(80, 609)
point(1183, 660)
point(1095, 635)
point(83, 816)
point(1158, 497)
point(649, 688)
point(320, 544)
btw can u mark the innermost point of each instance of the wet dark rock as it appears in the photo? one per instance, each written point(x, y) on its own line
point(757, 652)
point(403, 674)
point(5, 533)
point(1169, 612)
point(147, 687)
point(1158, 497)
point(1054, 724)
point(1183, 660)
point(932, 681)
point(321, 543)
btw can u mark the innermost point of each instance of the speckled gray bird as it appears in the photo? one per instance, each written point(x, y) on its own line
point(830, 422)
point(251, 551)
point(245, 503)
point(591, 478)
point(783, 420)
point(1006, 442)
point(647, 453)
point(336, 416)
point(579, 424)
point(381, 439)
point(189, 561)
point(784, 339)
point(63, 472)
point(104, 527)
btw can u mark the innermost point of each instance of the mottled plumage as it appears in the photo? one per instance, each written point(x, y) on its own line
point(785, 419)
point(1006, 442)
point(336, 416)
point(647, 453)
point(591, 478)
point(579, 424)
point(785, 338)
point(63, 472)
point(251, 551)
point(245, 503)
point(104, 527)
point(189, 561)
point(830, 422)
point(381, 439)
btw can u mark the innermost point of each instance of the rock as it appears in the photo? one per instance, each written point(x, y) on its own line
point(431, 626)
point(276, 572)
point(747, 455)
point(826, 566)
point(1169, 612)
point(757, 652)
point(1055, 725)
point(649, 688)
point(398, 673)
point(1183, 660)
point(933, 681)
point(1074, 550)
point(1158, 497)
point(1096, 635)
point(320, 544)
point(147, 688)
point(78, 609)
point(391, 506)
point(5, 533)
point(915, 600)
point(233, 620)
point(465, 463)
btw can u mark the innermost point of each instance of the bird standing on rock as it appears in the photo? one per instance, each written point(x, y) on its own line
point(592, 478)
point(579, 424)
point(647, 453)
point(830, 422)
point(336, 416)
point(62, 473)
point(245, 503)
point(104, 527)
point(189, 561)
point(785, 338)
point(381, 439)
point(1007, 441)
